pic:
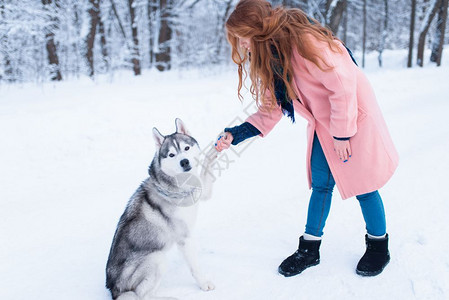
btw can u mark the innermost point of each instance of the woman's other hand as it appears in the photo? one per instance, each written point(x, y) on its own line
point(342, 149)
point(224, 141)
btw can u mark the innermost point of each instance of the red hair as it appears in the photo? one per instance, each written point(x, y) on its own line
point(280, 28)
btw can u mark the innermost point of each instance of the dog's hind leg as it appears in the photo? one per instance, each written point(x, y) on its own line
point(148, 287)
point(128, 296)
point(152, 269)
point(133, 296)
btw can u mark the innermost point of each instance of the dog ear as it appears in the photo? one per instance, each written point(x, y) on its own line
point(181, 127)
point(158, 137)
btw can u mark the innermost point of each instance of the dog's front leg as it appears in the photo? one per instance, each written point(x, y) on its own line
point(207, 177)
point(188, 249)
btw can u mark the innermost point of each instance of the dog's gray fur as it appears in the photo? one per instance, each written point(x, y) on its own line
point(152, 222)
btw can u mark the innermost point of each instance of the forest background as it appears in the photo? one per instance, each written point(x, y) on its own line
point(60, 39)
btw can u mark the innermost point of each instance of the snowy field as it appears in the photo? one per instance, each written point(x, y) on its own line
point(72, 154)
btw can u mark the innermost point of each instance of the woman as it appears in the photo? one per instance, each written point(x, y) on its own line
point(304, 70)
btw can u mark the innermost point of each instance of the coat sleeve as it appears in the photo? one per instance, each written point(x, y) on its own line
point(341, 82)
point(265, 118)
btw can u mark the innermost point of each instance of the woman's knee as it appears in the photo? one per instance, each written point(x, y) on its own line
point(323, 183)
point(323, 188)
point(369, 196)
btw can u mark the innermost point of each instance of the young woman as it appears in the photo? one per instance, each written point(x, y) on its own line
point(303, 70)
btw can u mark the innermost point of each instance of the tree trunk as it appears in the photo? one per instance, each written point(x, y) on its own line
point(75, 45)
point(364, 34)
point(345, 25)
point(135, 59)
point(104, 48)
point(94, 14)
point(437, 45)
point(50, 41)
point(152, 10)
point(384, 34)
point(163, 57)
point(335, 15)
point(220, 35)
point(412, 34)
point(424, 29)
point(287, 3)
point(120, 24)
point(4, 48)
point(304, 5)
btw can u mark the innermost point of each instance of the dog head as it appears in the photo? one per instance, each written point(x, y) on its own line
point(177, 151)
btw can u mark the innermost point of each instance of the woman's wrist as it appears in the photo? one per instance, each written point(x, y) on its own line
point(242, 132)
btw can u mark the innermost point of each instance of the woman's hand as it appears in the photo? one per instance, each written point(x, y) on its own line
point(224, 141)
point(343, 149)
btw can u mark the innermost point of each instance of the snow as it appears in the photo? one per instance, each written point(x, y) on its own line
point(74, 152)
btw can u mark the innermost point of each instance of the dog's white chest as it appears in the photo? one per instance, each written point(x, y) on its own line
point(186, 217)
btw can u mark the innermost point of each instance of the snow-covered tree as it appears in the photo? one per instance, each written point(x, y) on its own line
point(54, 39)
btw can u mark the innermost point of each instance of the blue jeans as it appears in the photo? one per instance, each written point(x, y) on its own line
point(320, 202)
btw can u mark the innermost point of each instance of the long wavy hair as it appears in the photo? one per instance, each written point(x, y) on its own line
point(274, 32)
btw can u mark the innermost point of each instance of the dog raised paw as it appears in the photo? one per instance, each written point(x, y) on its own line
point(210, 156)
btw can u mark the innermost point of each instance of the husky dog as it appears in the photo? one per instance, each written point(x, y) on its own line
point(160, 214)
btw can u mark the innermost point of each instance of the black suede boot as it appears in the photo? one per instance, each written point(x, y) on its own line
point(307, 255)
point(375, 258)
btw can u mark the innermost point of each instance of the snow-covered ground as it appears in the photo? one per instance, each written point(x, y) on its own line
point(72, 153)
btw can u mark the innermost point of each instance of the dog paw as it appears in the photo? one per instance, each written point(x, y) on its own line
point(211, 156)
point(207, 286)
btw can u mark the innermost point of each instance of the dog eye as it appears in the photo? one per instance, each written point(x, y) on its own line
point(171, 155)
point(187, 148)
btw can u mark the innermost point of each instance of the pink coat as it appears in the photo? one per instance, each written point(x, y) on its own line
point(339, 103)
